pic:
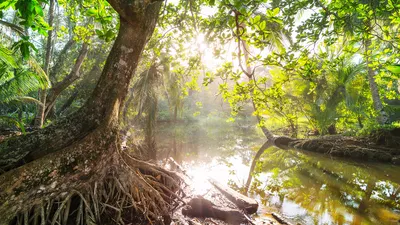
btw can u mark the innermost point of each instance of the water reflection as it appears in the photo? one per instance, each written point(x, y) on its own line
point(332, 191)
point(306, 188)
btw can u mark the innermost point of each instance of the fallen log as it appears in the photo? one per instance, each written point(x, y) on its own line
point(203, 208)
point(243, 202)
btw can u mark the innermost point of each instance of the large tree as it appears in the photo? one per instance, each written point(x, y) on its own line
point(80, 156)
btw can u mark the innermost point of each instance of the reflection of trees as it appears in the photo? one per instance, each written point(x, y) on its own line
point(329, 186)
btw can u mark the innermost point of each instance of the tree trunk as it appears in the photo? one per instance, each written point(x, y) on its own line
point(68, 103)
point(39, 119)
point(57, 88)
point(79, 155)
point(382, 116)
point(360, 122)
point(84, 88)
point(250, 74)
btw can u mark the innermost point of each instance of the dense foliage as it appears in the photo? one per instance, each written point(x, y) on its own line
point(305, 67)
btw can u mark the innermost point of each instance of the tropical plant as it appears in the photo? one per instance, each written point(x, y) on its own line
point(17, 81)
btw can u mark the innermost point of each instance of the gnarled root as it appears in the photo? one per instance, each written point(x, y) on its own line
point(90, 182)
point(135, 192)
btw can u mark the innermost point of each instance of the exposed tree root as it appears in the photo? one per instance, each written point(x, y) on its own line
point(136, 192)
point(91, 182)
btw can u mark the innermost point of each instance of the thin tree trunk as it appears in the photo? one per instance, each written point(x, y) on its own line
point(39, 119)
point(91, 77)
point(268, 134)
point(68, 103)
point(382, 116)
point(360, 122)
point(57, 88)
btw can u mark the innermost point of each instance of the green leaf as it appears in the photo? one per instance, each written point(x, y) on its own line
point(263, 25)
point(91, 12)
point(275, 12)
point(99, 32)
point(394, 68)
point(7, 57)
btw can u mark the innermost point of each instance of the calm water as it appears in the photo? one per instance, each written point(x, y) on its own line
point(306, 189)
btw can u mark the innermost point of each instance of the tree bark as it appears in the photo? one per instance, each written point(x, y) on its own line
point(245, 203)
point(203, 208)
point(57, 88)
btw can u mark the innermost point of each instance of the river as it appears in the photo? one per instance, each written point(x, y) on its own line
point(303, 188)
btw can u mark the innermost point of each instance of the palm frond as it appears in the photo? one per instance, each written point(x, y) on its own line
point(16, 80)
point(20, 84)
point(42, 77)
point(6, 56)
point(26, 99)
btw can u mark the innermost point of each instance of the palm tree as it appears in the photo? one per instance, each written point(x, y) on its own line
point(144, 99)
point(324, 104)
point(361, 28)
point(17, 81)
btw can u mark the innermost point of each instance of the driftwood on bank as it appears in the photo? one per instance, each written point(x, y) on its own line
point(245, 203)
point(203, 208)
